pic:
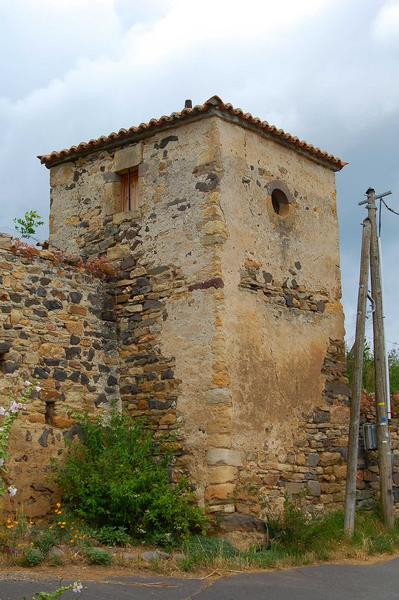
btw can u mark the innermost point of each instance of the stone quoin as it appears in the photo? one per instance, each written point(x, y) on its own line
point(223, 324)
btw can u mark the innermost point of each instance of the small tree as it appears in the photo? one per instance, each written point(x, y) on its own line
point(368, 368)
point(27, 225)
point(393, 361)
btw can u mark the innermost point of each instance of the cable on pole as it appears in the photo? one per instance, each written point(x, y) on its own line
point(389, 208)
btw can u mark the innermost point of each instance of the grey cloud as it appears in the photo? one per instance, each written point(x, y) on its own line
point(329, 77)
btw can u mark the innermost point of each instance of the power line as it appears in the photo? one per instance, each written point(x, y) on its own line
point(389, 208)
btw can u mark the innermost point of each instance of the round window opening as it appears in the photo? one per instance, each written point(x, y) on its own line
point(280, 202)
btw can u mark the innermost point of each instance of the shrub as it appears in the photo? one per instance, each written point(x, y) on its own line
point(31, 557)
point(98, 557)
point(117, 477)
point(45, 542)
point(112, 536)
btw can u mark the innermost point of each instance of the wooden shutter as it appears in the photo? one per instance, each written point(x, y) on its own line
point(129, 189)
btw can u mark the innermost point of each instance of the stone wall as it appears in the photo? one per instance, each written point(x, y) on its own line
point(169, 293)
point(227, 327)
point(368, 472)
point(230, 326)
point(57, 328)
point(223, 324)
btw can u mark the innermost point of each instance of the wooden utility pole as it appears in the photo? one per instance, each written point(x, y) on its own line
point(358, 349)
point(381, 387)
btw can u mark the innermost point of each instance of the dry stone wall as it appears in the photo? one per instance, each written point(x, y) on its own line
point(57, 328)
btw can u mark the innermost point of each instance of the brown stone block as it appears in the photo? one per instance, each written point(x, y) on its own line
point(74, 327)
point(330, 458)
point(222, 474)
point(51, 350)
point(62, 422)
point(36, 419)
point(222, 491)
point(50, 395)
point(330, 488)
point(340, 471)
point(221, 379)
point(168, 419)
point(220, 440)
point(76, 309)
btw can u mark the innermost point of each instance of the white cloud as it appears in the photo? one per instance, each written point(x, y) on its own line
point(386, 25)
point(77, 69)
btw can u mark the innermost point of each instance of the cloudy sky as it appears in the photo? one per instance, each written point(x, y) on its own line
point(324, 70)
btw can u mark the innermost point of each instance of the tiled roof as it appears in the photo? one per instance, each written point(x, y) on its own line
point(212, 106)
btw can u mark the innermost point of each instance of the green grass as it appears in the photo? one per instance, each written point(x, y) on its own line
point(95, 556)
point(296, 539)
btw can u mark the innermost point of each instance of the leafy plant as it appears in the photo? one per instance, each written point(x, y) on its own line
point(117, 477)
point(96, 556)
point(27, 225)
point(298, 531)
point(45, 541)
point(393, 361)
point(112, 536)
point(31, 557)
point(368, 368)
point(74, 587)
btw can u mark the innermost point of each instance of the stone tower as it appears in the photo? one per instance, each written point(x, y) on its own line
point(226, 308)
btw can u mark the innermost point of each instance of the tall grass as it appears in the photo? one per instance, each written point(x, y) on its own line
point(296, 538)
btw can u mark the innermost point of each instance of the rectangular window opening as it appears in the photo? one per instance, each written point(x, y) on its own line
point(129, 189)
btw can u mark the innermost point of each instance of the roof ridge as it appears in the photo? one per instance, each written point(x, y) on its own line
point(214, 103)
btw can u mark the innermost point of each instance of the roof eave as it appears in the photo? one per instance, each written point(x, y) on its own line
point(196, 114)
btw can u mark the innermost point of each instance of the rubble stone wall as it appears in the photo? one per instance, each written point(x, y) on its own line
point(55, 331)
point(368, 472)
point(170, 291)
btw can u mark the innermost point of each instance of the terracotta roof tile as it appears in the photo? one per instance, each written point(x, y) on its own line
point(212, 106)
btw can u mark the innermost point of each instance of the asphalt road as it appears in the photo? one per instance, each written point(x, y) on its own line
point(327, 582)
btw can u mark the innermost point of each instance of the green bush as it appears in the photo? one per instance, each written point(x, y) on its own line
point(98, 557)
point(45, 541)
point(117, 477)
point(368, 382)
point(31, 557)
point(112, 536)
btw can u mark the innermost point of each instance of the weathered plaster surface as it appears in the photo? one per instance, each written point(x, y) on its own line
point(282, 285)
point(227, 316)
